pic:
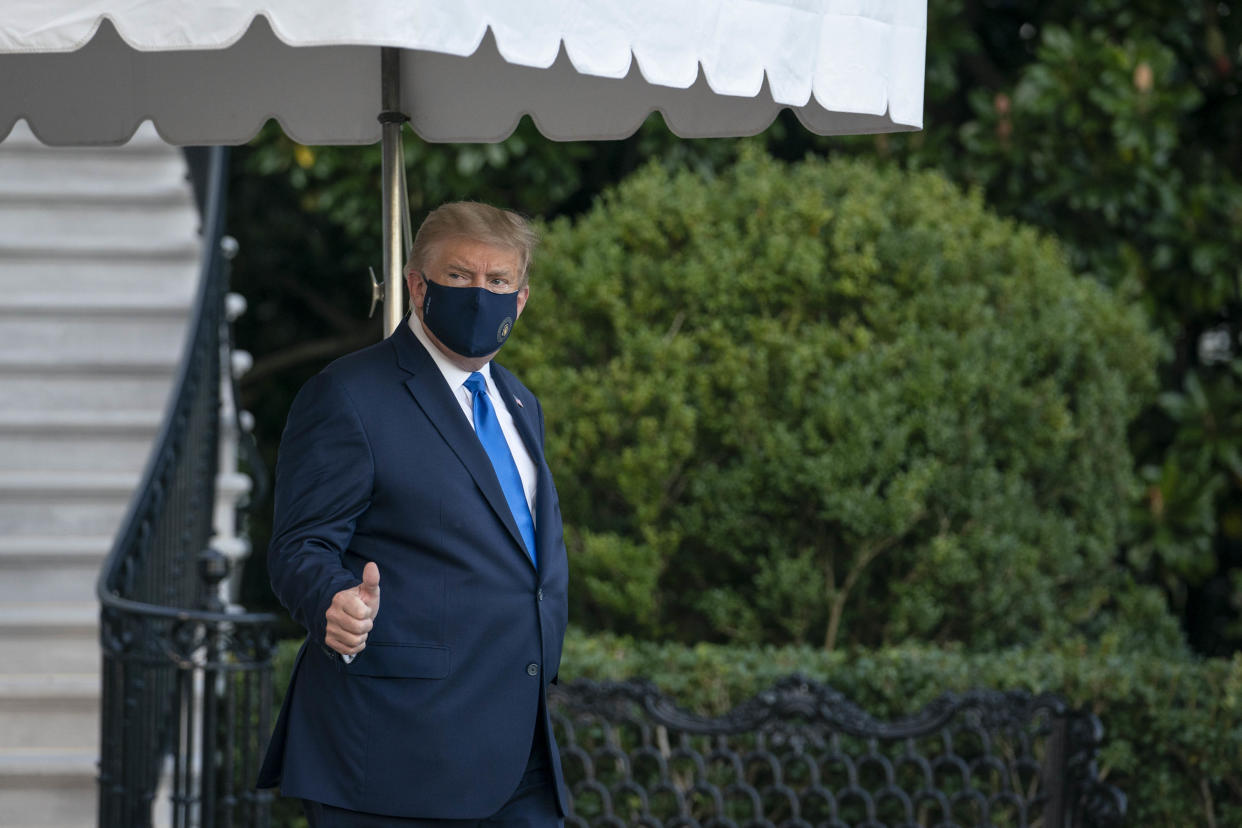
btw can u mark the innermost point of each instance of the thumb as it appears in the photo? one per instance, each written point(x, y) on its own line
point(369, 588)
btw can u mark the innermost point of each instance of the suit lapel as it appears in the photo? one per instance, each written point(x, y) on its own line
point(525, 416)
point(433, 395)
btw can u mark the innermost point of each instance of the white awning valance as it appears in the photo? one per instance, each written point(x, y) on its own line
point(88, 71)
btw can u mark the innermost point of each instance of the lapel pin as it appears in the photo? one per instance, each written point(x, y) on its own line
point(519, 402)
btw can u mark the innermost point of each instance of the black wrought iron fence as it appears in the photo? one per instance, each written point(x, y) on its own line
point(801, 755)
point(187, 685)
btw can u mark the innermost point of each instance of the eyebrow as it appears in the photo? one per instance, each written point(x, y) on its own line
point(471, 271)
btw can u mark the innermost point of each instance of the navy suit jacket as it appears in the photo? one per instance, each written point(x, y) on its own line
point(435, 717)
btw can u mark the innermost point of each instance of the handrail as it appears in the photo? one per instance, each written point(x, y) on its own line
point(199, 615)
point(186, 685)
point(210, 196)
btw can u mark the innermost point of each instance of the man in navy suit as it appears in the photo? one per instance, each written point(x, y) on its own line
point(420, 462)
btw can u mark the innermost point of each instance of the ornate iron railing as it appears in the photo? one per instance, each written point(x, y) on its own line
point(801, 754)
point(187, 684)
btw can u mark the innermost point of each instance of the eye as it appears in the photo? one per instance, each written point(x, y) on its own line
point(455, 276)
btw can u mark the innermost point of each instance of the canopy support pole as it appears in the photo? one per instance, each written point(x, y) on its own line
point(395, 206)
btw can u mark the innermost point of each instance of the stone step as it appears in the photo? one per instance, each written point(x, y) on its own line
point(76, 440)
point(50, 653)
point(33, 568)
point(53, 275)
point(93, 174)
point(98, 387)
point(55, 364)
point(52, 450)
point(60, 514)
point(64, 503)
point(52, 617)
point(67, 484)
point(54, 550)
point(137, 250)
point(49, 336)
point(63, 581)
point(115, 423)
point(49, 637)
point(49, 710)
point(76, 225)
point(48, 789)
point(138, 308)
point(69, 192)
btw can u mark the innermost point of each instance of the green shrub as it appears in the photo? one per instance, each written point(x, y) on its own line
point(832, 404)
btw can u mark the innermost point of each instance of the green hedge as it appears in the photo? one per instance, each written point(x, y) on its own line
point(1173, 728)
point(831, 403)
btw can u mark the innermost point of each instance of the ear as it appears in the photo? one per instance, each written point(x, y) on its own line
point(523, 294)
point(417, 287)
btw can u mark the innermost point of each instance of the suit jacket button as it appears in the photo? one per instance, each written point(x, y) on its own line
point(539, 594)
point(532, 669)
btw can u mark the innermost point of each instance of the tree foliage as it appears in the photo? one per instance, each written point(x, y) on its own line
point(827, 403)
point(1117, 126)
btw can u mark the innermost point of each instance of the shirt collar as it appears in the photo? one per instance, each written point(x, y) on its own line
point(454, 376)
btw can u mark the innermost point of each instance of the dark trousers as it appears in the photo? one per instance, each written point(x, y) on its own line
point(532, 805)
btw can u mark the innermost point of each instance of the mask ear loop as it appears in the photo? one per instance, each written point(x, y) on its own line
point(426, 293)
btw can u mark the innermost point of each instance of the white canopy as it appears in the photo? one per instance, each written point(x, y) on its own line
point(90, 71)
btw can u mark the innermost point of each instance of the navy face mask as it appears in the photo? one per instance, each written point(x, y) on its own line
point(472, 322)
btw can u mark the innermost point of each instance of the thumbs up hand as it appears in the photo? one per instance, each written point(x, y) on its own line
point(352, 612)
point(368, 590)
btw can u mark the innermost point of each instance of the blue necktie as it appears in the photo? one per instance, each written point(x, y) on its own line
point(497, 447)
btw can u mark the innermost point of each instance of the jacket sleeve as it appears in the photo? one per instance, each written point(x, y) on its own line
point(324, 477)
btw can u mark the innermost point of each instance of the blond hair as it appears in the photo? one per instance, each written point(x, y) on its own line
point(479, 222)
